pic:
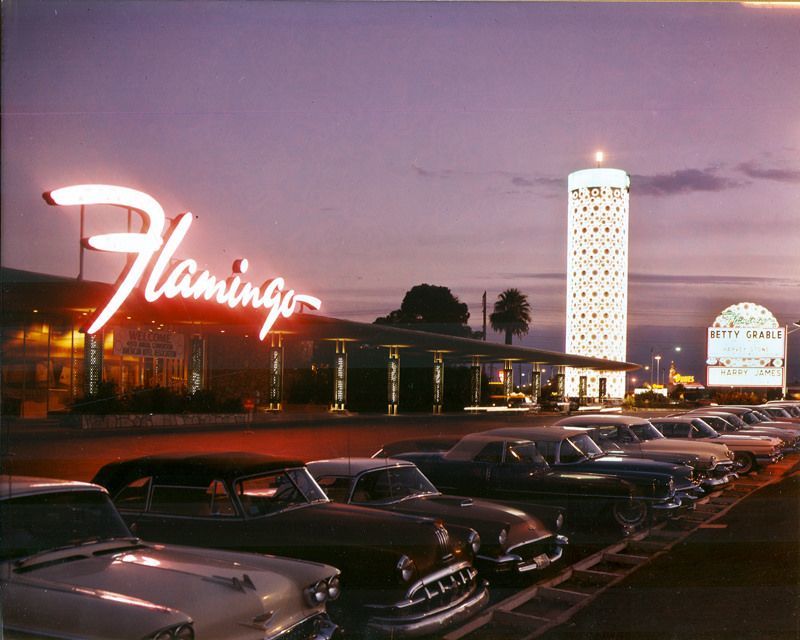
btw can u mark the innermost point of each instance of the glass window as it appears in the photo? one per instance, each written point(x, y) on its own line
point(182, 501)
point(569, 452)
point(336, 488)
point(134, 496)
point(267, 494)
point(33, 524)
point(390, 485)
point(523, 452)
point(492, 452)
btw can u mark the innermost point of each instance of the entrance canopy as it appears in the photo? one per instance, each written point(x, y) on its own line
point(26, 292)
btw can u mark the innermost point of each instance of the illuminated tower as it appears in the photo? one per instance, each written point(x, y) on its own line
point(597, 278)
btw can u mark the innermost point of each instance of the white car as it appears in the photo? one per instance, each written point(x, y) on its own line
point(70, 568)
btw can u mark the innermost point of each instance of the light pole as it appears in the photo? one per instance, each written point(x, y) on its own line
point(658, 369)
point(785, 388)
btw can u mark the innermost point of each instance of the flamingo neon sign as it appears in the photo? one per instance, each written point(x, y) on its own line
point(154, 253)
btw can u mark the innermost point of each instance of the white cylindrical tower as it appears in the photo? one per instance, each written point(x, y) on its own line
point(597, 278)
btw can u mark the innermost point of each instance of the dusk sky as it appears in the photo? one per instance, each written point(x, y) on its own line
point(360, 149)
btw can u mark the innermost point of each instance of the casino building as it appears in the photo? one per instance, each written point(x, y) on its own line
point(164, 324)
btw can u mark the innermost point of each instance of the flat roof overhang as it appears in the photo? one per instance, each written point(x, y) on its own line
point(24, 291)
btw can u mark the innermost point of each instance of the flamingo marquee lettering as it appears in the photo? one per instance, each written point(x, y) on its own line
point(154, 254)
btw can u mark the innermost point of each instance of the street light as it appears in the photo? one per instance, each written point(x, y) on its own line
point(658, 369)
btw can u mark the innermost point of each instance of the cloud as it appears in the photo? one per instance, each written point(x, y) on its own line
point(519, 181)
point(516, 179)
point(710, 280)
point(752, 170)
point(682, 181)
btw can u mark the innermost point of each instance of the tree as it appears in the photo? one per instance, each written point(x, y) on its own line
point(431, 308)
point(512, 314)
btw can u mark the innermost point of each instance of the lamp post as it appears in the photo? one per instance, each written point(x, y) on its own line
point(658, 369)
point(785, 388)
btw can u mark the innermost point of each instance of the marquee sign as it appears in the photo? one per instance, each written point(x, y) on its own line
point(746, 348)
point(154, 254)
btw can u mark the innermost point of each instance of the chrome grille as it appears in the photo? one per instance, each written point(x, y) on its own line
point(443, 539)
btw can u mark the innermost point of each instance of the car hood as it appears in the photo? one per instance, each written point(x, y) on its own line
point(487, 518)
point(748, 441)
point(634, 468)
point(703, 449)
point(233, 589)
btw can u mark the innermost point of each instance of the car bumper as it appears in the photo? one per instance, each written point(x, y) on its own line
point(662, 510)
point(319, 627)
point(770, 458)
point(511, 562)
point(432, 622)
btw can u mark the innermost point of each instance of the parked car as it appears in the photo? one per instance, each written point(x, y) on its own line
point(754, 417)
point(782, 412)
point(403, 575)
point(513, 541)
point(713, 463)
point(72, 569)
point(494, 466)
point(729, 423)
point(750, 452)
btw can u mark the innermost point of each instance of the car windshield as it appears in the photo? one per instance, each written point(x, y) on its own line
point(701, 429)
point(49, 521)
point(794, 412)
point(576, 448)
point(524, 452)
point(777, 412)
point(718, 423)
point(392, 484)
point(736, 421)
point(751, 417)
point(646, 431)
point(270, 493)
point(764, 417)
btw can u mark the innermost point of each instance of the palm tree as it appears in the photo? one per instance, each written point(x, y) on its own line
point(512, 314)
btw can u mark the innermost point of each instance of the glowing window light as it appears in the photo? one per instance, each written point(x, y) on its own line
point(156, 253)
point(597, 276)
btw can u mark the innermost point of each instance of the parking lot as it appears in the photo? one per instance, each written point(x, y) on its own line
point(730, 571)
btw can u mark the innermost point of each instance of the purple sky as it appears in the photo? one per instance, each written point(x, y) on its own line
point(360, 149)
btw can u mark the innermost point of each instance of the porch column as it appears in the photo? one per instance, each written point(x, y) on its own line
point(92, 362)
point(536, 383)
point(339, 377)
point(438, 381)
point(197, 361)
point(475, 382)
point(560, 383)
point(393, 379)
point(275, 373)
point(508, 378)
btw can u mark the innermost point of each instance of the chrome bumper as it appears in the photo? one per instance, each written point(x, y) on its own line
point(513, 562)
point(769, 459)
point(666, 509)
point(319, 627)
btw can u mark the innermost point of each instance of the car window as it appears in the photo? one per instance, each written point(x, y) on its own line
point(336, 488)
point(523, 453)
point(133, 497)
point(606, 438)
point(32, 524)
point(492, 452)
point(569, 452)
point(211, 500)
point(548, 450)
point(646, 431)
point(274, 492)
point(384, 486)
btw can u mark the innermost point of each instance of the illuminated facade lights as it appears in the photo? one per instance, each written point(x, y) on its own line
point(597, 278)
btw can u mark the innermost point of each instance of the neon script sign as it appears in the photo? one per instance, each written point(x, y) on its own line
point(154, 254)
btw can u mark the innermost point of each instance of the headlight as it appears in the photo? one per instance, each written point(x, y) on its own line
point(671, 486)
point(182, 632)
point(713, 460)
point(406, 568)
point(317, 593)
point(559, 521)
point(474, 540)
point(334, 590)
point(502, 538)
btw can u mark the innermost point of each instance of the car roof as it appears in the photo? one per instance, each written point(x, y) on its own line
point(677, 419)
point(353, 466)
point(19, 486)
point(599, 419)
point(473, 443)
point(192, 467)
point(551, 433)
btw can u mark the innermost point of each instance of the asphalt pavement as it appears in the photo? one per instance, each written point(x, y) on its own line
point(734, 579)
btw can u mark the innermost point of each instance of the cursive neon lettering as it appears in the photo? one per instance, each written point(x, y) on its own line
point(181, 280)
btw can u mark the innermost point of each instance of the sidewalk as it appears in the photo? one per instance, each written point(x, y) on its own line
point(737, 578)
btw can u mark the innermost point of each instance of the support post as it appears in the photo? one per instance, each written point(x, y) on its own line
point(438, 381)
point(508, 379)
point(536, 383)
point(196, 363)
point(92, 362)
point(560, 383)
point(393, 375)
point(339, 377)
point(475, 382)
point(275, 373)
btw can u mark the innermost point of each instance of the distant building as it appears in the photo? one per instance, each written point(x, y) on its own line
point(597, 278)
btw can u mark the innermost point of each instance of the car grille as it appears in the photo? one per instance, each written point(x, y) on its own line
point(441, 591)
point(443, 540)
point(312, 628)
point(528, 551)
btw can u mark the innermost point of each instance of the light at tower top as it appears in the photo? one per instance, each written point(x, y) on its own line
point(597, 277)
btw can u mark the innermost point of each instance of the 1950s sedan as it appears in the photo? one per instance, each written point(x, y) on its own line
point(70, 568)
point(513, 541)
point(510, 468)
point(403, 575)
point(713, 463)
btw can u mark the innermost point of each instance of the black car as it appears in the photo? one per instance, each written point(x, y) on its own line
point(513, 541)
point(573, 448)
point(404, 575)
point(508, 468)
